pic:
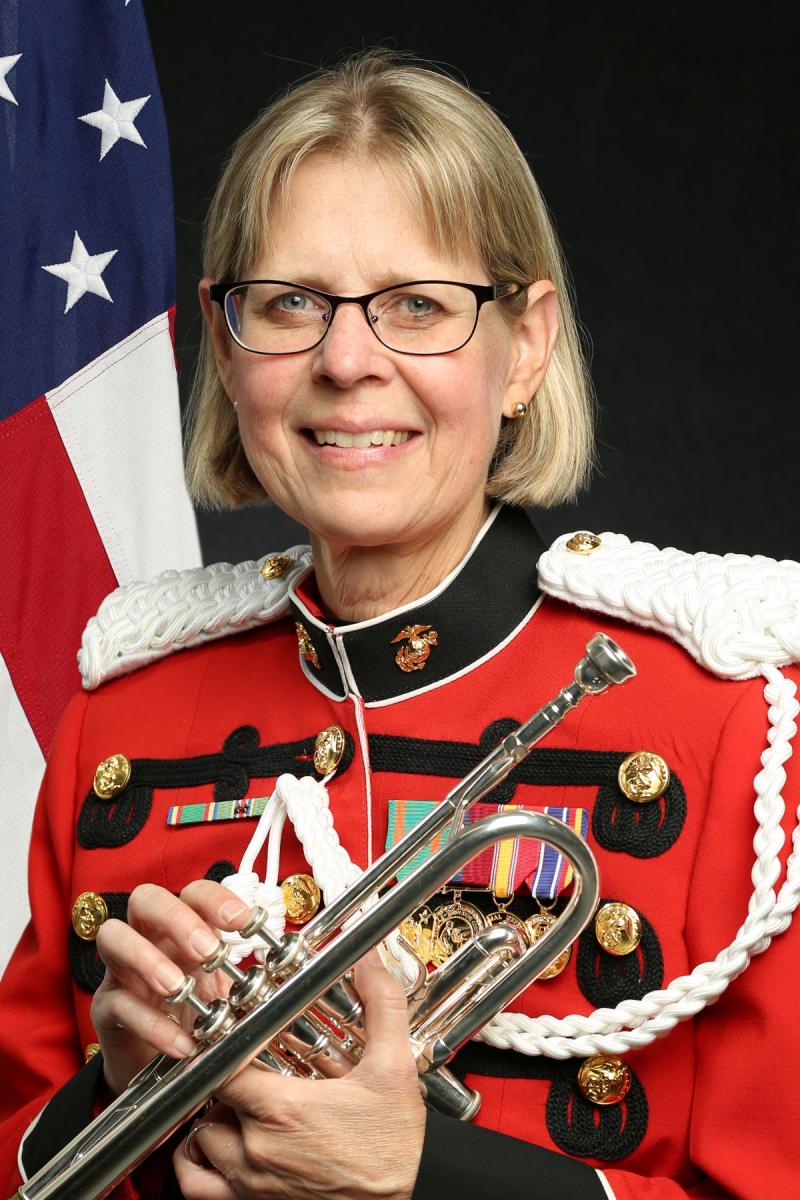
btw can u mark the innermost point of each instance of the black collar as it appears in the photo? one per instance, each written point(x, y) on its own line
point(470, 614)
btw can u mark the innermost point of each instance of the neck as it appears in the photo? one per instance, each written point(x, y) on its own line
point(357, 583)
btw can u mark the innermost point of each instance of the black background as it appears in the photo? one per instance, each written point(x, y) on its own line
point(663, 136)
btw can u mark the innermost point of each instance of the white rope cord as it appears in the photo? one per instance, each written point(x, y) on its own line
point(739, 617)
point(142, 622)
point(307, 804)
point(636, 1023)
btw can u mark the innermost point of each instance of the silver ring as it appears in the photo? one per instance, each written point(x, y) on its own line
point(187, 1142)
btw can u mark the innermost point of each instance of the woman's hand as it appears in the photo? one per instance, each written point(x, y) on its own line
point(354, 1138)
point(145, 960)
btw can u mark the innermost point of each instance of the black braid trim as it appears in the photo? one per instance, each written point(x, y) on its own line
point(578, 1127)
point(85, 964)
point(608, 979)
point(220, 870)
point(110, 823)
point(641, 830)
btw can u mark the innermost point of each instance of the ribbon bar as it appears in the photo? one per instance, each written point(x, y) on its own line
point(505, 867)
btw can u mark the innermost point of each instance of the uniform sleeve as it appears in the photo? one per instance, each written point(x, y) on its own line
point(464, 1160)
point(746, 1104)
point(39, 1045)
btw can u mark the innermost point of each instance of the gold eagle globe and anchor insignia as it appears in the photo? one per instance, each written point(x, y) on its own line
point(89, 912)
point(306, 645)
point(414, 656)
point(604, 1079)
point(112, 776)
point(643, 776)
point(275, 566)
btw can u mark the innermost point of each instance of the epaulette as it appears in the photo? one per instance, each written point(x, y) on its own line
point(142, 622)
point(733, 613)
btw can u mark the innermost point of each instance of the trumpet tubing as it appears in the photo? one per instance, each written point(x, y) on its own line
point(298, 1013)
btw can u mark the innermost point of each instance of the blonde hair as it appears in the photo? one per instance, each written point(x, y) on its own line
point(479, 192)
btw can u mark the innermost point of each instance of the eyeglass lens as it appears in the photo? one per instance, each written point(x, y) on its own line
point(426, 318)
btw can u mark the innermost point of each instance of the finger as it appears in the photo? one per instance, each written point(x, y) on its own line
point(134, 961)
point(120, 1015)
point(385, 1015)
point(217, 905)
point(208, 1159)
point(159, 915)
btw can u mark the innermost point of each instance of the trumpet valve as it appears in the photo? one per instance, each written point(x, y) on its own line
point(218, 1020)
point(253, 988)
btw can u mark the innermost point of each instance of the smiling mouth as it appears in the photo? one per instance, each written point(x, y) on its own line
point(359, 441)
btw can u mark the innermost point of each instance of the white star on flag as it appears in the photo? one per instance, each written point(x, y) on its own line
point(83, 273)
point(6, 64)
point(115, 120)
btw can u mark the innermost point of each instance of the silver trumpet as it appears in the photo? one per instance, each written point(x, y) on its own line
point(298, 1013)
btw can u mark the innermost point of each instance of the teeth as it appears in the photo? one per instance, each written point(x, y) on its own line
point(360, 441)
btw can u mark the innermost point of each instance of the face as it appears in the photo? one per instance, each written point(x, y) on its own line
point(347, 229)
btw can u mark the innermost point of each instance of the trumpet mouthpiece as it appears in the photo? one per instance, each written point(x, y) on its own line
point(605, 663)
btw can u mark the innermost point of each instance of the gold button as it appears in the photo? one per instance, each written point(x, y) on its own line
point(276, 565)
point(583, 543)
point(88, 913)
point(618, 928)
point(536, 927)
point(306, 645)
point(643, 776)
point(111, 776)
point(328, 749)
point(301, 896)
point(90, 1051)
point(604, 1079)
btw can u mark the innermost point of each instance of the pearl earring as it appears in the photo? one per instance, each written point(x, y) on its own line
point(519, 410)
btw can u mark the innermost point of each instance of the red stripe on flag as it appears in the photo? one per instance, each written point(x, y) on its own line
point(171, 319)
point(49, 586)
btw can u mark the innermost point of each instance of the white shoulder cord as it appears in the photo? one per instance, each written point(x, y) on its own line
point(739, 616)
point(307, 804)
point(604, 1031)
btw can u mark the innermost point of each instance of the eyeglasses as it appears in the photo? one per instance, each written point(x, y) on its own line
point(426, 316)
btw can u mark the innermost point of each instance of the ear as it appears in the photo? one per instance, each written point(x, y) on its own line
point(533, 337)
point(220, 337)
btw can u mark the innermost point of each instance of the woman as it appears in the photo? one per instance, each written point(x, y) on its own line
point(419, 637)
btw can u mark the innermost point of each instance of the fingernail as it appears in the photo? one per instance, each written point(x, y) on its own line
point(203, 942)
point(232, 909)
point(168, 976)
point(184, 1044)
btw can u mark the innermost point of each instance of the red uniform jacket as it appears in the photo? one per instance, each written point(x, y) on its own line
point(714, 1107)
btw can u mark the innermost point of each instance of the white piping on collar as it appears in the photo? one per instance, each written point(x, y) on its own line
point(473, 666)
point(396, 613)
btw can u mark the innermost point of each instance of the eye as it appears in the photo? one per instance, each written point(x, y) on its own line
point(292, 302)
point(418, 306)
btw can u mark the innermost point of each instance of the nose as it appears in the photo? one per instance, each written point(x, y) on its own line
point(349, 351)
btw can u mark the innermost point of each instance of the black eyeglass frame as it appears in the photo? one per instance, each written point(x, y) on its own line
point(484, 293)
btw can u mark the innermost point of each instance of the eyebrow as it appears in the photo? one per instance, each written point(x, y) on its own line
point(316, 282)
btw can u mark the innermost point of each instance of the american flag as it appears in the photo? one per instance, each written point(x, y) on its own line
point(90, 456)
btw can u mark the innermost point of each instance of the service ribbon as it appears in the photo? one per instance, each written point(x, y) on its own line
point(505, 867)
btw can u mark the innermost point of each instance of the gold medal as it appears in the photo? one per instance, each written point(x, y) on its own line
point(536, 927)
point(455, 923)
point(502, 916)
point(417, 931)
